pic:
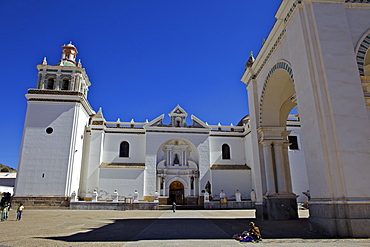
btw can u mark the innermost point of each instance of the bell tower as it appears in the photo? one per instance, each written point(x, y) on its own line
point(53, 136)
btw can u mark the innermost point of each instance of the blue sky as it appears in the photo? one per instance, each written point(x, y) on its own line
point(143, 57)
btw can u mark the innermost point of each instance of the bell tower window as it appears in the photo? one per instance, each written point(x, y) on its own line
point(50, 84)
point(65, 84)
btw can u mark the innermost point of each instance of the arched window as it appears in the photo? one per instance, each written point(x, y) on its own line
point(50, 84)
point(225, 152)
point(124, 149)
point(65, 84)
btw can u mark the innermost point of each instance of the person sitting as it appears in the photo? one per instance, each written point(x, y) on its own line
point(254, 231)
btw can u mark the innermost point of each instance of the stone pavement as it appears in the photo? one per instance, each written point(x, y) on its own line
point(156, 228)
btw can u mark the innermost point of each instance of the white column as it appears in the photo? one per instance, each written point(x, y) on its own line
point(159, 178)
point(269, 168)
point(57, 82)
point(164, 187)
point(280, 171)
point(286, 167)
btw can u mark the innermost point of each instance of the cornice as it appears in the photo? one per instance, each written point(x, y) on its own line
point(64, 96)
point(276, 35)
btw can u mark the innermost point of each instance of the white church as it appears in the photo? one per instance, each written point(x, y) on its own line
point(315, 58)
point(67, 148)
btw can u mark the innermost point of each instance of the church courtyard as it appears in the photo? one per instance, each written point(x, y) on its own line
point(156, 228)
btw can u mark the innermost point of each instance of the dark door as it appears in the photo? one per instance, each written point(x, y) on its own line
point(177, 193)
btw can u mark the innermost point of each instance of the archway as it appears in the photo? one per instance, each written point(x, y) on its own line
point(276, 102)
point(363, 63)
point(176, 192)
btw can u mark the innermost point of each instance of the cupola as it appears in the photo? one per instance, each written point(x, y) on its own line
point(69, 53)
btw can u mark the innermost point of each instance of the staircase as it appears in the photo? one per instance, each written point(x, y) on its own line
point(181, 207)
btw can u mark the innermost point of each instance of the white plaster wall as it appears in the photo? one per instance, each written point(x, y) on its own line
point(91, 167)
point(77, 142)
point(124, 180)
point(43, 153)
point(236, 144)
point(298, 168)
point(341, 107)
point(112, 143)
point(231, 180)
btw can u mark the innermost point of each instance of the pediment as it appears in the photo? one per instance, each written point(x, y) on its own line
point(157, 122)
point(178, 112)
point(197, 123)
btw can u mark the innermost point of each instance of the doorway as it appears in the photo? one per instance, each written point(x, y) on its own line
point(176, 193)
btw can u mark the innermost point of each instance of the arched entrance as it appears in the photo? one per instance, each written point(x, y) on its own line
point(176, 192)
point(276, 101)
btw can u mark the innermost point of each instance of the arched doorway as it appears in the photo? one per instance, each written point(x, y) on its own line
point(176, 192)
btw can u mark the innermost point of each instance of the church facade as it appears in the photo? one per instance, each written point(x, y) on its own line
point(67, 147)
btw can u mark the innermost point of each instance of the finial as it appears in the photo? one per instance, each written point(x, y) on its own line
point(231, 124)
point(70, 42)
point(118, 120)
point(250, 60)
point(132, 121)
point(44, 62)
point(146, 121)
point(79, 64)
point(263, 41)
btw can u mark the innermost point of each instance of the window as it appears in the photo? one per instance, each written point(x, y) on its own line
point(293, 140)
point(49, 130)
point(50, 84)
point(124, 149)
point(65, 84)
point(225, 152)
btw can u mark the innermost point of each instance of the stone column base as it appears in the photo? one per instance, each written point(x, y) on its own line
point(343, 219)
point(277, 208)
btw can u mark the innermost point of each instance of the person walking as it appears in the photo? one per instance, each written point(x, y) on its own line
point(19, 211)
point(174, 206)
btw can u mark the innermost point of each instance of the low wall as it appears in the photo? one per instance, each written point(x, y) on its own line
point(103, 205)
point(229, 205)
point(40, 202)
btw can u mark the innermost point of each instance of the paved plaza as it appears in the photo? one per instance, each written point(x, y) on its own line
point(156, 228)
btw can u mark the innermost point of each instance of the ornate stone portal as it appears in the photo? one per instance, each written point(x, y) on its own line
point(178, 164)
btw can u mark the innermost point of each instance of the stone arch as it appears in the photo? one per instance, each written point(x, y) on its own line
point(273, 111)
point(362, 54)
point(174, 179)
point(276, 102)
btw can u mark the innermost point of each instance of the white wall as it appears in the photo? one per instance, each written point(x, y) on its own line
point(44, 158)
point(237, 155)
point(124, 180)
point(231, 180)
point(112, 143)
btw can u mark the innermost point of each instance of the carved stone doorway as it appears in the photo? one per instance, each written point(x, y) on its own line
point(176, 193)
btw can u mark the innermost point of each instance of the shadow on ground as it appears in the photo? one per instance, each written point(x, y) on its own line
point(170, 229)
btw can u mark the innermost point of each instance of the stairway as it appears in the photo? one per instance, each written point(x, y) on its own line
point(181, 207)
